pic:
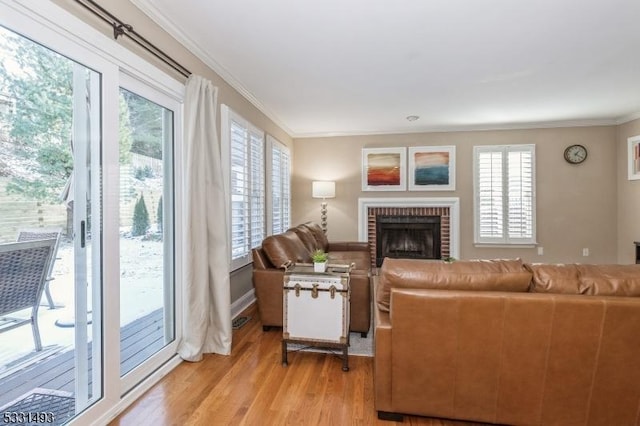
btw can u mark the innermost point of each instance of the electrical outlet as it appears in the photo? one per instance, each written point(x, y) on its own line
point(585, 252)
point(540, 251)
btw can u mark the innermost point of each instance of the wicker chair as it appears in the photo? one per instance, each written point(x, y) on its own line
point(43, 234)
point(23, 275)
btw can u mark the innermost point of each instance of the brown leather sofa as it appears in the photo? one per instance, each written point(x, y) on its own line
point(296, 245)
point(508, 343)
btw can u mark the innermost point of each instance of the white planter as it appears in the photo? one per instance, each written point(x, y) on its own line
point(319, 267)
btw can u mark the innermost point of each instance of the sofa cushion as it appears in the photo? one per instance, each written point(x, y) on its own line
point(362, 259)
point(610, 280)
point(474, 275)
point(285, 247)
point(307, 238)
point(321, 239)
point(558, 279)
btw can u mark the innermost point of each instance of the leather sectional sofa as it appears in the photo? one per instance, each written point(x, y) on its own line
point(508, 343)
point(296, 245)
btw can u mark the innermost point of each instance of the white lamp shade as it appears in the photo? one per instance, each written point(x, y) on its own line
point(323, 189)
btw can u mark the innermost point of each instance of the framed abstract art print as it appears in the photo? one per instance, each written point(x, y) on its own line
point(432, 168)
point(384, 169)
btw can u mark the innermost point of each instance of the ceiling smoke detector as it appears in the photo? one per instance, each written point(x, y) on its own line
point(412, 117)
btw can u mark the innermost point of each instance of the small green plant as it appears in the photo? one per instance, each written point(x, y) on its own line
point(319, 256)
point(449, 259)
point(140, 218)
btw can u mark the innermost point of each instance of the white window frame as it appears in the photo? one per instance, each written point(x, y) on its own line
point(257, 186)
point(47, 23)
point(503, 240)
point(284, 185)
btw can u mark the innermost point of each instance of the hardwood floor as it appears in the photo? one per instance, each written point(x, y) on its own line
point(251, 387)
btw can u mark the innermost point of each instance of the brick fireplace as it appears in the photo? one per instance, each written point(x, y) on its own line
point(445, 210)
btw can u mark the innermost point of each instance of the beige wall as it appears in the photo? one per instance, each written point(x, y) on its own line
point(628, 196)
point(576, 204)
point(127, 12)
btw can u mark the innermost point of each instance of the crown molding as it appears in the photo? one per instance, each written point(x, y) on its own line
point(167, 25)
point(628, 118)
point(470, 128)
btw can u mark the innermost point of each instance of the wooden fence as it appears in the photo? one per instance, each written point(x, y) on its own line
point(17, 213)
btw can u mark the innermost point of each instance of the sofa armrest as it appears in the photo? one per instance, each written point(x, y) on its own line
point(268, 286)
point(348, 246)
point(382, 357)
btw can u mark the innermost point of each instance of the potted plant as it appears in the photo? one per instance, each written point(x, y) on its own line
point(319, 258)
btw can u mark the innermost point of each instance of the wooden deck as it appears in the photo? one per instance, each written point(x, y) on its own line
point(138, 341)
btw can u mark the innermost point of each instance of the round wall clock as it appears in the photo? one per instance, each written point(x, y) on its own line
point(575, 154)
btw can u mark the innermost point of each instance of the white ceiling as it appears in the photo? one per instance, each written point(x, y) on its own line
point(336, 67)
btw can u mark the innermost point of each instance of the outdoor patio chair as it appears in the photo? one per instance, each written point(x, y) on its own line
point(43, 234)
point(23, 275)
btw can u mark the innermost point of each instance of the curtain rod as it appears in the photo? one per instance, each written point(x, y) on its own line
point(122, 29)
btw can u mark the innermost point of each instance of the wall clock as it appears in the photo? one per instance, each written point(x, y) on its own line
point(575, 154)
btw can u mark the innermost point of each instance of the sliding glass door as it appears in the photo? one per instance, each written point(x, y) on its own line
point(50, 188)
point(89, 154)
point(147, 277)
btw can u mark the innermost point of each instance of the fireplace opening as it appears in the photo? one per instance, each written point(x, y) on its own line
point(407, 237)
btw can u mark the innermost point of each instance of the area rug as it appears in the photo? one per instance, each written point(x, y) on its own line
point(358, 345)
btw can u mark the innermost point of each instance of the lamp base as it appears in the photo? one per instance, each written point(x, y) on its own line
point(323, 217)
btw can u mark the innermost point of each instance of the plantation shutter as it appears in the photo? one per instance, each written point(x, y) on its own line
point(280, 187)
point(247, 189)
point(239, 190)
point(504, 194)
point(286, 189)
point(520, 191)
point(257, 188)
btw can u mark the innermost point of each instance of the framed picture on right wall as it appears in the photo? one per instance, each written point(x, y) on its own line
point(432, 168)
point(634, 157)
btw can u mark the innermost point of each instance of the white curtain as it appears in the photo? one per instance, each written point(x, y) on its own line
point(207, 309)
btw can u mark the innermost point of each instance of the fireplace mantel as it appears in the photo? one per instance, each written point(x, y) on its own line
point(453, 203)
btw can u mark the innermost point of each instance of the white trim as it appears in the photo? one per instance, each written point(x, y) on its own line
point(243, 303)
point(631, 142)
point(468, 128)
point(453, 203)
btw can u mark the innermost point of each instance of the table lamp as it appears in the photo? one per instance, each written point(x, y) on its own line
point(324, 190)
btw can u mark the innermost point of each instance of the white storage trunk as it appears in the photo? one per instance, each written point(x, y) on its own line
point(316, 305)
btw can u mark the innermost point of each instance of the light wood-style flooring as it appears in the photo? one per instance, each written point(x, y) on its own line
point(251, 387)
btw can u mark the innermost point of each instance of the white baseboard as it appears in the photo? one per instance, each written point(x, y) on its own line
point(243, 303)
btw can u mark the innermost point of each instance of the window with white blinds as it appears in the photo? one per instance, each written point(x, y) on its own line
point(244, 148)
point(279, 173)
point(504, 190)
